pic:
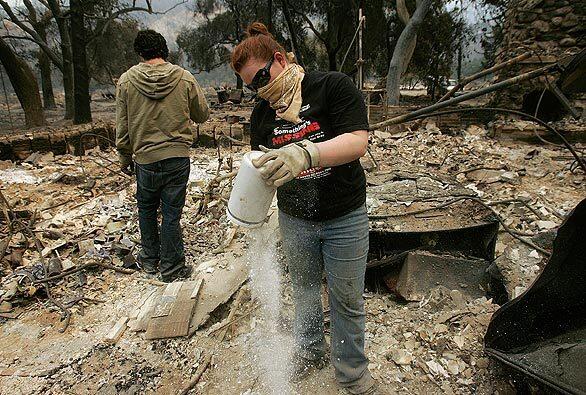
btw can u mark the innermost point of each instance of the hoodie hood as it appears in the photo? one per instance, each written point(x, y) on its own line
point(155, 81)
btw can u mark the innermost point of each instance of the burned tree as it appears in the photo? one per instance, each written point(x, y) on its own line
point(25, 85)
point(105, 68)
point(332, 23)
point(40, 23)
point(26, 22)
point(66, 56)
point(404, 49)
point(46, 82)
point(292, 32)
point(82, 112)
point(96, 17)
point(207, 46)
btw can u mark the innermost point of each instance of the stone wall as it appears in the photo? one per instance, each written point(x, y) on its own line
point(553, 29)
point(75, 140)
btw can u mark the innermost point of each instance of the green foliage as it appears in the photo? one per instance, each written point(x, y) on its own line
point(324, 32)
point(208, 46)
point(494, 18)
point(112, 53)
point(437, 46)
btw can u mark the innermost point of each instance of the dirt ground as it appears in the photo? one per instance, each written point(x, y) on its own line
point(432, 346)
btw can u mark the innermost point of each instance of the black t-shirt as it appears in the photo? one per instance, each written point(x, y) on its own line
point(331, 106)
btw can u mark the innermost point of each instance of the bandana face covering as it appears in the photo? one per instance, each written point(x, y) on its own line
point(284, 93)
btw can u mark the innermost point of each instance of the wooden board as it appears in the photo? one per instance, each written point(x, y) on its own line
point(196, 289)
point(176, 322)
point(217, 288)
point(116, 332)
point(168, 298)
point(134, 314)
point(141, 321)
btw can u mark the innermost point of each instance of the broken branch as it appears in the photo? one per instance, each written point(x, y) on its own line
point(472, 95)
point(83, 267)
point(233, 310)
point(232, 140)
point(466, 80)
point(65, 312)
point(200, 370)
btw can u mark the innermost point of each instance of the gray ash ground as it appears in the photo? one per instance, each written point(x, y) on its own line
point(434, 346)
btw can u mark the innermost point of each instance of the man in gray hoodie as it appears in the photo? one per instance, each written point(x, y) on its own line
point(156, 102)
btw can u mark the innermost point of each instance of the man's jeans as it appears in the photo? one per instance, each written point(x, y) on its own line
point(339, 246)
point(163, 184)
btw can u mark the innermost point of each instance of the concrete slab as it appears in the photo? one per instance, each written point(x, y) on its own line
point(423, 271)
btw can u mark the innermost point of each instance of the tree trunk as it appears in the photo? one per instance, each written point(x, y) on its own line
point(460, 45)
point(65, 46)
point(68, 81)
point(270, 15)
point(333, 63)
point(45, 69)
point(46, 81)
point(25, 85)
point(404, 17)
point(294, 41)
point(460, 60)
point(399, 61)
point(331, 51)
point(82, 112)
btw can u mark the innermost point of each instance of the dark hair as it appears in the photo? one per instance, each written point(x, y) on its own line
point(150, 44)
point(259, 44)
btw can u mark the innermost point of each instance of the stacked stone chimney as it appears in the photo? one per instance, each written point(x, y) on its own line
point(552, 29)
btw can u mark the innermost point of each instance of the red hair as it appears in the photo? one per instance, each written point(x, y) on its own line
point(258, 44)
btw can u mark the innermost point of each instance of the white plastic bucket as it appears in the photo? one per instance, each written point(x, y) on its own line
point(251, 197)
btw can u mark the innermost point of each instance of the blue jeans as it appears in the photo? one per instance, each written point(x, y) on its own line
point(340, 246)
point(162, 184)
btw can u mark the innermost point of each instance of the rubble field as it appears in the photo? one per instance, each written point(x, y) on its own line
point(76, 217)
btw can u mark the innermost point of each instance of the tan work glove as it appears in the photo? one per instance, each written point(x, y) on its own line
point(279, 166)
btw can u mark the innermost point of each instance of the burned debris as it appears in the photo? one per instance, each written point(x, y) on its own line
point(474, 191)
point(447, 210)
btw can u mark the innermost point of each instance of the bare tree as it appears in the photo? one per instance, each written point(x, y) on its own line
point(292, 33)
point(25, 85)
point(62, 61)
point(40, 23)
point(82, 112)
point(106, 12)
point(404, 47)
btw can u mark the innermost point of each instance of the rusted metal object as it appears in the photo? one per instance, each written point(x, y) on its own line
point(223, 96)
point(403, 218)
point(542, 333)
point(233, 119)
point(573, 78)
point(236, 96)
point(564, 101)
point(423, 271)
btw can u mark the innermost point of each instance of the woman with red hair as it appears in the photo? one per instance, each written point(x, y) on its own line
point(312, 127)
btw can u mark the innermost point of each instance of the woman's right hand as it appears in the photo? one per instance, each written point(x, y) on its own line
point(279, 166)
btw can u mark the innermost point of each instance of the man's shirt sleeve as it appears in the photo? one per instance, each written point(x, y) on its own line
point(122, 135)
